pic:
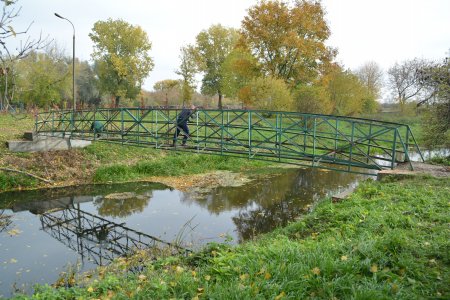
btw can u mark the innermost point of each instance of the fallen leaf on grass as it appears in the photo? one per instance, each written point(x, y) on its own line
point(316, 271)
point(374, 268)
point(142, 277)
point(243, 276)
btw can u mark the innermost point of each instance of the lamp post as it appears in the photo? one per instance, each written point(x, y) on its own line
point(73, 66)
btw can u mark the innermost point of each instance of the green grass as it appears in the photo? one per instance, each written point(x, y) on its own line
point(389, 240)
point(12, 128)
point(10, 181)
point(173, 164)
point(414, 121)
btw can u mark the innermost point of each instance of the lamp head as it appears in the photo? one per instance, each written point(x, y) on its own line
point(59, 16)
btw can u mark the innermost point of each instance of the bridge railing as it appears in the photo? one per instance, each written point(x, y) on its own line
point(331, 142)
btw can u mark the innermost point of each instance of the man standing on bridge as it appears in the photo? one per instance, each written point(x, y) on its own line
point(182, 120)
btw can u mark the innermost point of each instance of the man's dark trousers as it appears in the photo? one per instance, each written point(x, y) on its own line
point(182, 126)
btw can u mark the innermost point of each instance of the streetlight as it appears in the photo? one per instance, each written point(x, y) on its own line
point(73, 65)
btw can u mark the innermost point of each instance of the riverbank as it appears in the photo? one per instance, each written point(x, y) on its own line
point(389, 239)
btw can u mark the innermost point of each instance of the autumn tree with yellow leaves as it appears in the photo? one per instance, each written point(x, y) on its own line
point(288, 40)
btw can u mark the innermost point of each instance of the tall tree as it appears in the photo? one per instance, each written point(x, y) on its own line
point(11, 54)
point(404, 81)
point(288, 40)
point(187, 70)
point(212, 48)
point(165, 86)
point(371, 77)
point(122, 58)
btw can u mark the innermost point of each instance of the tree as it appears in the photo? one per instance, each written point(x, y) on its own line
point(403, 80)
point(436, 79)
point(313, 99)
point(165, 86)
point(87, 85)
point(44, 78)
point(371, 77)
point(270, 94)
point(122, 58)
point(346, 93)
point(11, 54)
point(187, 70)
point(239, 69)
point(212, 48)
point(288, 41)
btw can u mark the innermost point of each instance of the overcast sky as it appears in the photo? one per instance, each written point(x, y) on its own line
point(384, 31)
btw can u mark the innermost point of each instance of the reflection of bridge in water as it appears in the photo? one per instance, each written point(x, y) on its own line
point(95, 238)
point(324, 141)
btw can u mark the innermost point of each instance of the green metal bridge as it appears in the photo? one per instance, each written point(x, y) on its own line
point(330, 142)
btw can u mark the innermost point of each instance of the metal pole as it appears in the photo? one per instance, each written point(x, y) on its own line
point(73, 69)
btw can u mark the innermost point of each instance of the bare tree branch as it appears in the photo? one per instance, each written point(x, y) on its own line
point(25, 173)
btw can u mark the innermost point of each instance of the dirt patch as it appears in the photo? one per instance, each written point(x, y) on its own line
point(68, 167)
point(423, 168)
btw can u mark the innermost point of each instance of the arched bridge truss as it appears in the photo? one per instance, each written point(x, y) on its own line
point(325, 141)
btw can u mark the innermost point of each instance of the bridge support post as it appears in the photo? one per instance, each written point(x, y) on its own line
point(394, 146)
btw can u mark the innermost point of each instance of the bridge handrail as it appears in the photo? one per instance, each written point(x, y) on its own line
point(68, 111)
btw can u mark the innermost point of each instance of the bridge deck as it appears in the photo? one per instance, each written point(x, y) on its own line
point(331, 142)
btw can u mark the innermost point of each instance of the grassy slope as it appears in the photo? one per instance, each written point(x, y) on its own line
point(388, 240)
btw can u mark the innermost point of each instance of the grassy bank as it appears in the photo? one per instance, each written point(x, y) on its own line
point(388, 240)
point(99, 162)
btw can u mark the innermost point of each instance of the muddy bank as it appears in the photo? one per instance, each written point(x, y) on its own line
point(425, 169)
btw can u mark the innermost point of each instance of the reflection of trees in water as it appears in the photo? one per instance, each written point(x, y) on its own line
point(262, 191)
point(5, 220)
point(122, 207)
point(308, 186)
point(275, 200)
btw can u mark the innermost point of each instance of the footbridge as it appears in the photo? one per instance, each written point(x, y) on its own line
point(331, 142)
